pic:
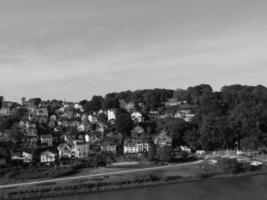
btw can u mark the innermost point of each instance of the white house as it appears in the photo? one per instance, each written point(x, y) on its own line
point(186, 149)
point(135, 146)
point(137, 117)
point(47, 139)
point(24, 156)
point(47, 157)
point(81, 127)
point(92, 118)
point(111, 114)
point(172, 102)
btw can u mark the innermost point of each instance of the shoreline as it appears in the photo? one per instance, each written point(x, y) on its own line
point(114, 186)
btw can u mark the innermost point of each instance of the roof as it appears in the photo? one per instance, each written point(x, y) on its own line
point(48, 154)
point(47, 136)
point(107, 143)
point(63, 145)
point(133, 142)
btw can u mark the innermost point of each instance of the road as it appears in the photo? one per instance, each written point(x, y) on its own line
point(97, 175)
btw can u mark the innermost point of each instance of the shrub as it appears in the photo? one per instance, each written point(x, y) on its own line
point(232, 166)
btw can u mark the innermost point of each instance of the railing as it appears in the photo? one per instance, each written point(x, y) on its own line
point(252, 155)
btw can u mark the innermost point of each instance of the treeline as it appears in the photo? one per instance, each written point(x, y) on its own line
point(235, 117)
point(150, 99)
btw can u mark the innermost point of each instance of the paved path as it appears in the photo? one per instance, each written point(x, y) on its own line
point(97, 175)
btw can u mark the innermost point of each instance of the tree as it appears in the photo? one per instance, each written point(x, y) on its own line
point(124, 123)
point(192, 138)
point(102, 117)
point(181, 95)
point(196, 91)
point(83, 102)
point(110, 101)
point(175, 128)
point(94, 105)
point(164, 154)
point(35, 101)
point(1, 101)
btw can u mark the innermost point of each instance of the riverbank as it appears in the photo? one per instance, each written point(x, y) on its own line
point(118, 182)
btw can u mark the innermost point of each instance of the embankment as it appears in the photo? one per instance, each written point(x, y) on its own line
point(83, 186)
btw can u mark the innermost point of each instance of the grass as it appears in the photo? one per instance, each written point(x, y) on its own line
point(119, 181)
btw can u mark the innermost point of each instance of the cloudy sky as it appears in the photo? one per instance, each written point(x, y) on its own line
point(74, 49)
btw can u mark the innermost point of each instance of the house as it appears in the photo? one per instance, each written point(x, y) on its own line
point(186, 149)
point(137, 117)
point(83, 127)
point(65, 151)
point(184, 114)
point(6, 137)
point(162, 139)
point(66, 112)
point(29, 124)
point(46, 139)
point(111, 114)
point(132, 146)
point(42, 112)
point(91, 138)
point(31, 141)
point(92, 118)
point(79, 107)
point(172, 102)
point(108, 147)
point(200, 152)
point(66, 123)
point(31, 131)
point(7, 109)
point(47, 157)
point(130, 107)
point(81, 148)
point(24, 156)
point(39, 115)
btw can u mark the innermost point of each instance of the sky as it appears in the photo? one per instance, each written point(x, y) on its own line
point(73, 49)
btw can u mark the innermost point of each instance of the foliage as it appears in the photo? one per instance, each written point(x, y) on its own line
point(94, 105)
point(175, 128)
point(124, 123)
point(232, 166)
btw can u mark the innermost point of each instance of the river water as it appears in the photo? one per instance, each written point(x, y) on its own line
point(237, 188)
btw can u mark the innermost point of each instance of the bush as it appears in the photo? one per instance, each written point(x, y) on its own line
point(156, 176)
point(232, 166)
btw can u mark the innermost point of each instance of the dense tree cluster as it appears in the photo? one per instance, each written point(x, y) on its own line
point(152, 99)
point(234, 117)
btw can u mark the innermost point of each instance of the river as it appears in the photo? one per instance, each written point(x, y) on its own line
point(237, 188)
